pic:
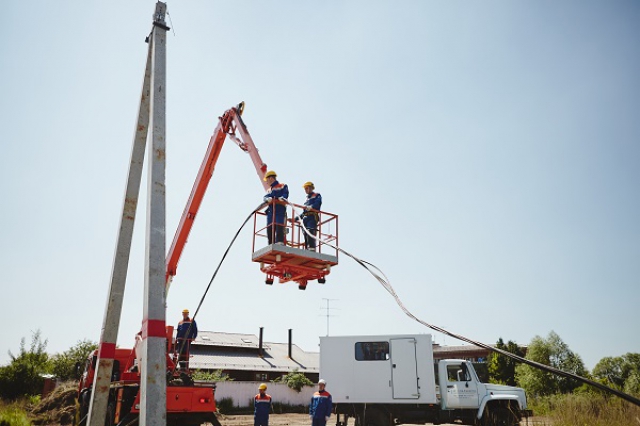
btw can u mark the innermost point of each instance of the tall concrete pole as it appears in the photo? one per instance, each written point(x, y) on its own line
point(111, 322)
point(153, 402)
point(153, 386)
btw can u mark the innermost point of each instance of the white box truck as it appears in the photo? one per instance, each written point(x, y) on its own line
point(390, 380)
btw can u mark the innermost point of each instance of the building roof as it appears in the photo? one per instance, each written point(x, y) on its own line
point(234, 351)
point(236, 340)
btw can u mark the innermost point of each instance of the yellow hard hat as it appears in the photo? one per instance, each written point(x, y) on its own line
point(304, 185)
point(185, 311)
point(269, 174)
point(263, 386)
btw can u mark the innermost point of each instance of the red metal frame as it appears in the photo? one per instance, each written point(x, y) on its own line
point(291, 261)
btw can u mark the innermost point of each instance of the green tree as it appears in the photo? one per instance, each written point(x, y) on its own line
point(23, 375)
point(622, 372)
point(554, 352)
point(63, 365)
point(502, 369)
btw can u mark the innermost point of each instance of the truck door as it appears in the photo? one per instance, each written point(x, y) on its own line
point(404, 369)
point(461, 387)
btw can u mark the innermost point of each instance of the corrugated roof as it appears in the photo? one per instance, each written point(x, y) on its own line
point(215, 351)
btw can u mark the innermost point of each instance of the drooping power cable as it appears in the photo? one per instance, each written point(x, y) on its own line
point(384, 281)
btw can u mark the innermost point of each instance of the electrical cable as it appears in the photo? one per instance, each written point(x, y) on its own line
point(224, 256)
point(384, 281)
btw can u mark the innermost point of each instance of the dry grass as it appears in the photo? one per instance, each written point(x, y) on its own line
point(585, 410)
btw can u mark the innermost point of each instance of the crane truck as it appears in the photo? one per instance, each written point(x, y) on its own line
point(392, 379)
point(188, 402)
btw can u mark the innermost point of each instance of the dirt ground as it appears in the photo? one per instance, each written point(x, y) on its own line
point(303, 420)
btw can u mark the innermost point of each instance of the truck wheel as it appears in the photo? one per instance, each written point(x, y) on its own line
point(501, 416)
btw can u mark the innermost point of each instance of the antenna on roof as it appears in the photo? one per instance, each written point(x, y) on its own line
point(328, 313)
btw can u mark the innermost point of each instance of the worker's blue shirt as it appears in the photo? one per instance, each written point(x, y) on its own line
point(309, 217)
point(184, 332)
point(262, 406)
point(321, 405)
point(277, 190)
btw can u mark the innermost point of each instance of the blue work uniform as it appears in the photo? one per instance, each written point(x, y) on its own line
point(310, 218)
point(320, 408)
point(186, 332)
point(187, 329)
point(276, 213)
point(262, 408)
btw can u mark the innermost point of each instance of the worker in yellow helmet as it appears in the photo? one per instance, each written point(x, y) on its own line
point(186, 332)
point(262, 406)
point(276, 196)
point(310, 216)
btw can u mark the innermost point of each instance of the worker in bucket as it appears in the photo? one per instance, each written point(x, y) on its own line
point(186, 332)
point(262, 406)
point(321, 405)
point(276, 212)
point(309, 216)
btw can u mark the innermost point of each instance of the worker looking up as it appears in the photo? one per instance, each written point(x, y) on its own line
point(310, 216)
point(186, 332)
point(276, 212)
point(262, 406)
point(321, 405)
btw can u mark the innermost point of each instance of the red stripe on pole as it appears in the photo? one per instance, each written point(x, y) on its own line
point(107, 350)
point(153, 328)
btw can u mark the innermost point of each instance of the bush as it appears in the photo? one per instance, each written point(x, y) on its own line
point(22, 377)
point(63, 365)
point(13, 416)
point(225, 405)
point(210, 376)
point(295, 380)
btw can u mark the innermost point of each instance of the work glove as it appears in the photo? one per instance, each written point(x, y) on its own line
point(268, 199)
point(307, 208)
point(297, 218)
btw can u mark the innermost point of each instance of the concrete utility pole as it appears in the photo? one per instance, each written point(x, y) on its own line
point(153, 403)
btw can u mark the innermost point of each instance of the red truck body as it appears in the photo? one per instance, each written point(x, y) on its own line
point(188, 403)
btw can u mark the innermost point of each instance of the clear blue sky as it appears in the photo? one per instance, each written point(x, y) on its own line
point(485, 155)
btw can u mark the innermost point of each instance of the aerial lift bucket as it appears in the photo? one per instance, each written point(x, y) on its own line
point(290, 261)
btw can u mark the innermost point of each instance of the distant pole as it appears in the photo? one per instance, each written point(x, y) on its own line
point(328, 309)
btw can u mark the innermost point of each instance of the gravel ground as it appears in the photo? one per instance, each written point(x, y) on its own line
point(303, 420)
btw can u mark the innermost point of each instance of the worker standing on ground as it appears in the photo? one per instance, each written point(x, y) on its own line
point(309, 216)
point(186, 332)
point(276, 212)
point(321, 405)
point(262, 406)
